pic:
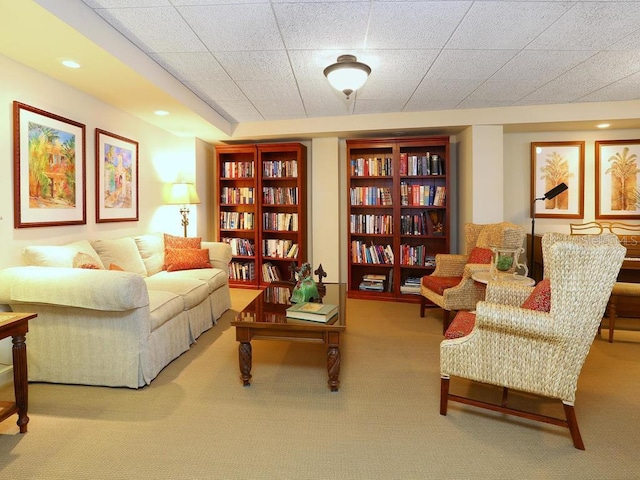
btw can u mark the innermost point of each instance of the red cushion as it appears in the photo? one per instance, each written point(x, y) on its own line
point(186, 258)
point(461, 325)
point(439, 284)
point(171, 241)
point(480, 255)
point(540, 298)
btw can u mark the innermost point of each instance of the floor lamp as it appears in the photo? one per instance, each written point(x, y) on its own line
point(184, 194)
point(553, 193)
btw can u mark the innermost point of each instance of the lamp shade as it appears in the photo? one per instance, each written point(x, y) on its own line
point(183, 194)
point(347, 74)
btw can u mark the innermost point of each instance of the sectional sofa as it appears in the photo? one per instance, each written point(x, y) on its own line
point(116, 312)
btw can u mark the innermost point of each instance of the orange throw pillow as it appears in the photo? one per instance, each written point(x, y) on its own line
point(186, 258)
point(480, 255)
point(540, 297)
point(113, 266)
point(171, 241)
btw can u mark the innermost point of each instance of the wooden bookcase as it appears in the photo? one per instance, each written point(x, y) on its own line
point(261, 209)
point(395, 211)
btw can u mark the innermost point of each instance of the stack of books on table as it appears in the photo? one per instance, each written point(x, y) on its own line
point(314, 312)
point(372, 283)
point(411, 286)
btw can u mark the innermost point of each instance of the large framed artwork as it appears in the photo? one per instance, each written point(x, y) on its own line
point(116, 178)
point(553, 163)
point(617, 179)
point(48, 169)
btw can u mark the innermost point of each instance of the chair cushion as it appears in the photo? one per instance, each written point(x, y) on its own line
point(540, 298)
point(461, 325)
point(439, 284)
point(480, 255)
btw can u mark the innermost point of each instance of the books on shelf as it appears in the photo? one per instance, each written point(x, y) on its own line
point(270, 272)
point(411, 286)
point(372, 282)
point(315, 312)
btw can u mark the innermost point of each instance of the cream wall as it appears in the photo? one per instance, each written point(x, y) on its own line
point(163, 158)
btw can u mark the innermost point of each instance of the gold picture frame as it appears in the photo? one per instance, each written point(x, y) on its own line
point(617, 179)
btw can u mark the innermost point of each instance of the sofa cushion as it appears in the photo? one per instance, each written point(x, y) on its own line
point(151, 248)
point(480, 255)
point(192, 291)
point(186, 258)
point(58, 256)
point(439, 284)
point(82, 260)
point(461, 325)
point(122, 252)
point(163, 306)
point(214, 277)
point(540, 297)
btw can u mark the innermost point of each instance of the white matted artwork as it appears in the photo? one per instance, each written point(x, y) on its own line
point(553, 163)
point(617, 179)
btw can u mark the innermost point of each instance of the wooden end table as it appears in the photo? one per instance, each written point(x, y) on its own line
point(265, 319)
point(16, 325)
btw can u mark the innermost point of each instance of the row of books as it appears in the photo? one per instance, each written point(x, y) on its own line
point(422, 195)
point(373, 224)
point(280, 168)
point(270, 272)
point(414, 224)
point(242, 271)
point(279, 248)
point(411, 285)
point(237, 220)
point(236, 195)
point(370, 195)
point(415, 165)
point(237, 169)
point(280, 195)
point(284, 222)
point(240, 246)
point(416, 255)
point(372, 282)
point(371, 167)
point(279, 295)
point(363, 253)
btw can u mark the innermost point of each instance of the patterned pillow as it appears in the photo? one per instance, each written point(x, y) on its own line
point(171, 241)
point(186, 258)
point(84, 260)
point(480, 255)
point(113, 266)
point(461, 325)
point(540, 298)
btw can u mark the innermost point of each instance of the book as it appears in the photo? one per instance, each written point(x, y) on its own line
point(315, 312)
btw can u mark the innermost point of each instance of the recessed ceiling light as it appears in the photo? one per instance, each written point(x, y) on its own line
point(70, 64)
point(604, 125)
point(161, 113)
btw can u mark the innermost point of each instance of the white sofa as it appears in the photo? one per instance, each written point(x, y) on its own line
point(109, 327)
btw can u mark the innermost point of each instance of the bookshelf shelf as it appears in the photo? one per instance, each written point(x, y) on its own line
point(270, 180)
point(418, 229)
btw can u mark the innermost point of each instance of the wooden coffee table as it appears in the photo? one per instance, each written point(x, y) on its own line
point(265, 319)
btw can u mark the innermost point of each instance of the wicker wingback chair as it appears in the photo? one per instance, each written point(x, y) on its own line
point(455, 289)
point(535, 351)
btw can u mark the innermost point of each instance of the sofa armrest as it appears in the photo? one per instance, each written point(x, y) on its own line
point(219, 254)
point(105, 290)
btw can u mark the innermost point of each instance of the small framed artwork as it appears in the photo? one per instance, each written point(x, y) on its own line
point(554, 163)
point(617, 179)
point(116, 178)
point(48, 169)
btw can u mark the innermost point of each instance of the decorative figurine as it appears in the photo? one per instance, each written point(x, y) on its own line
point(305, 289)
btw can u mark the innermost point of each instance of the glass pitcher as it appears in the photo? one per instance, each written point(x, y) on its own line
point(506, 260)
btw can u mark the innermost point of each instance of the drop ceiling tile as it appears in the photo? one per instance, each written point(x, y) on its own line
point(590, 26)
point(411, 25)
point(286, 106)
point(256, 65)
point(323, 25)
point(469, 64)
point(220, 89)
point(154, 30)
point(256, 90)
point(505, 25)
point(630, 42)
point(242, 111)
point(126, 3)
point(328, 108)
point(435, 94)
point(190, 67)
point(625, 89)
point(237, 27)
point(365, 106)
point(191, 3)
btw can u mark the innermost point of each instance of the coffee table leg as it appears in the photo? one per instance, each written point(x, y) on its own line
point(244, 350)
point(20, 382)
point(333, 367)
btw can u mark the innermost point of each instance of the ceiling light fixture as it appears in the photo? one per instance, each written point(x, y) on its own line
point(70, 64)
point(161, 113)
point(603, 125)
point(347, 74)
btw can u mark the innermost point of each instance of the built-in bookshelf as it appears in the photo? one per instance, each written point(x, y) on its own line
point(262, 210)
point(398, 214)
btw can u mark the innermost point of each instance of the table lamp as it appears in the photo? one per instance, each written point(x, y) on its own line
point(184, 193)
point(553, 193)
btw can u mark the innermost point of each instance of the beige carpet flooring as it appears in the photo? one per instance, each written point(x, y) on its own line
point(196, 421)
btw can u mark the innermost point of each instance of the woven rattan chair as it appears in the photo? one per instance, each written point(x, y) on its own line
point(534, 351)
point(457, 290)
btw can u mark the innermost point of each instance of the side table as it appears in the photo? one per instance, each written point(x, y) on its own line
point(16, 325)
point(485, 277)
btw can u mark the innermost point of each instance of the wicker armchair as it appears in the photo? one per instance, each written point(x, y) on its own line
point(534, 351)
point(456, 289)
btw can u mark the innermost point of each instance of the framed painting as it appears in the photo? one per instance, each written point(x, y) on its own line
point(116, 178)
point(48, 169)
point(554, 163)
point(617, 179)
